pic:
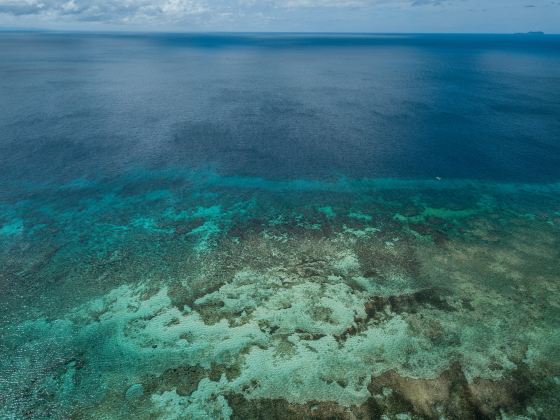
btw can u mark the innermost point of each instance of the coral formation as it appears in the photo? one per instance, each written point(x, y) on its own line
point(202, 305)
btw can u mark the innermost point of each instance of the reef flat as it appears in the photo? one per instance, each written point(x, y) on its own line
point(187, 294)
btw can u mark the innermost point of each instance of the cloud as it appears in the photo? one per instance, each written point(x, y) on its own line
point(171, 10)
point(428, 2)
point(322, 3)
point(105, 10)
point(306, 14)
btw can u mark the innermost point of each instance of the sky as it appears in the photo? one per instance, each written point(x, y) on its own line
point(488, 16)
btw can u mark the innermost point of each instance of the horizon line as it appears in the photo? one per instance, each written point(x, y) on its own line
point(237, 32)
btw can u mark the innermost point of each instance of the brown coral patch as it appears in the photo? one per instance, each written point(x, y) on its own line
point(184, 379)
point(428, 396)
point(279, 409)
point(452, 396)
point(409, 303)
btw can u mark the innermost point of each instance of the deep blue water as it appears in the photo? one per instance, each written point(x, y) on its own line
point(306, 226)
point(281, 106)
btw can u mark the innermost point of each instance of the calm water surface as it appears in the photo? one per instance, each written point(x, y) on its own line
point(279, 226)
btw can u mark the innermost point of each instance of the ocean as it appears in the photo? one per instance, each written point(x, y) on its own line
point(279, 225)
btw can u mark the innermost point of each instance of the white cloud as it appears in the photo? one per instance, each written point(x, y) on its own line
point(130, 10)
point(105, 10)
point(346, 15)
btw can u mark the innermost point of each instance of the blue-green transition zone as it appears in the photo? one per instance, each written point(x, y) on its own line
point(279, 226)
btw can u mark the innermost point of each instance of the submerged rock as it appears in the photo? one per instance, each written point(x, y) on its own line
point(134, 392)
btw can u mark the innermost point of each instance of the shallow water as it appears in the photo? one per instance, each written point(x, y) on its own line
point(279, 226)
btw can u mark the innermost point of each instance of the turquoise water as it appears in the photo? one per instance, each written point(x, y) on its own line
point(279, 227)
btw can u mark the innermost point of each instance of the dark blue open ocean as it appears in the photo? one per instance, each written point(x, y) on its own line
point(279, 226)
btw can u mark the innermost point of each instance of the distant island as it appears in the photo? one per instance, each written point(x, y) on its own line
point(530, 33)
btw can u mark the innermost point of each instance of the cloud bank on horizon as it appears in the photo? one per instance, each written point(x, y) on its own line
point(289, 15)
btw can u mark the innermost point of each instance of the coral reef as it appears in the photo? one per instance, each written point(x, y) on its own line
point(210, 304)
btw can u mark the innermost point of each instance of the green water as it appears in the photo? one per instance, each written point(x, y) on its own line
point(215, 297)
